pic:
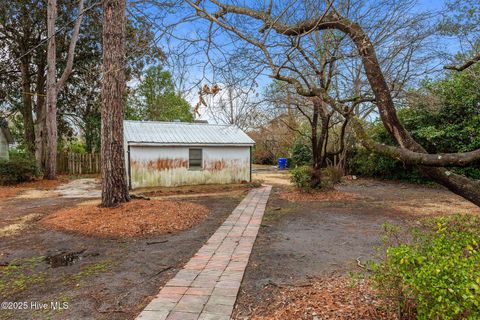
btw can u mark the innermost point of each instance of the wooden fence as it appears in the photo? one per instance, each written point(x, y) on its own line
point(78, 163)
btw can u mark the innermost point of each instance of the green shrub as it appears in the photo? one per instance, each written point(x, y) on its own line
point(368, 164)
point(301, 154)
point(436, 275)
point(75, 146)
point(19, 168)
point(300, 177)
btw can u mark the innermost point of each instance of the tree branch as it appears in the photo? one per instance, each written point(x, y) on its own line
point(464, 66)
point(460, 159)
point(71, 48)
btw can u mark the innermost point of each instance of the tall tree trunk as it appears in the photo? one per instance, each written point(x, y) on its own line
point(51, 106)
point(26, 110)
point(54, 86)
point(458, 184)
point(114, 185)
point(40, 139)
point(315, 179)
point(319, 141)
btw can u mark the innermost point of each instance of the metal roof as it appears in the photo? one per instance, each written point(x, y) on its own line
point(183, 133)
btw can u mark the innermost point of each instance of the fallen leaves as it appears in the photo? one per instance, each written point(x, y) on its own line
point(135, 218)
point(13, 190)
point(335, 297)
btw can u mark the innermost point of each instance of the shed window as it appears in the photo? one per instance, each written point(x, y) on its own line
point(195, 159)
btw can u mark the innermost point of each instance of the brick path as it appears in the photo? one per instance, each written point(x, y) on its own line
point(207, 286)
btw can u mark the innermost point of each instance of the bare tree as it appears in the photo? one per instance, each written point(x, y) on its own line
point(461, 20)
point(114, 184)
point(54, 86)
point(234, 105)
point(295, 29)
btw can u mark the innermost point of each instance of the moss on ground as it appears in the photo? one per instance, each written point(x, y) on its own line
point(19, 274)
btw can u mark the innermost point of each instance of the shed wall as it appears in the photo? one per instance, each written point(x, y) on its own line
point(3, 146)
point(168, 166)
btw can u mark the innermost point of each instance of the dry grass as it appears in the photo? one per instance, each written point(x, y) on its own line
point(18, 226)
point(279, 178)
point(318, 195)
point(135, 218)
point(439, 207)
point(193, 190)
point(327, 298)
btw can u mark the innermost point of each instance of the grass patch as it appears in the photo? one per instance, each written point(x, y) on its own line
point(20, 274)
point(89, 270)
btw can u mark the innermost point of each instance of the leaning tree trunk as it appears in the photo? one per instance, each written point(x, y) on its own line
point(50, 170)
point(458, 184)
point(114, 185)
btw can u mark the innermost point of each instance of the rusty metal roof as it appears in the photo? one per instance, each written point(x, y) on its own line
point(183, 133)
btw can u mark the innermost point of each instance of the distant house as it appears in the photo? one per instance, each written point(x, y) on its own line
point(5, 139)
point(178, 153)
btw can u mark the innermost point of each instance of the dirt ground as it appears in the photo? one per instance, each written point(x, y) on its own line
point(303, 241)
point(301, 244)
point(14, 190)
point(99, 278)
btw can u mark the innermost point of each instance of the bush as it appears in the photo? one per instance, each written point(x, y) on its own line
point(19, 168)
point(368, 164)
point(301, 154)
point(437, 274)
point(300, 177)
point(330, 176)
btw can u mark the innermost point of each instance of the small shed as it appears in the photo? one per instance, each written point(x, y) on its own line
point(179, 153)
point(5, 139)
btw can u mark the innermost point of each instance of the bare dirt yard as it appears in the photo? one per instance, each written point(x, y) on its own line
point(309, 244)
point(98, 277)
point(299, 268)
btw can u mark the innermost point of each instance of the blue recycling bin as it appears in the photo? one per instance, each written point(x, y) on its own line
point(282, 163)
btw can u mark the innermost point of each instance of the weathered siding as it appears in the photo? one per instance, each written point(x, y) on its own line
point(3, 146)
point(168, 166)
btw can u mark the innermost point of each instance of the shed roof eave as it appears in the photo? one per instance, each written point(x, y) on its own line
point(176, 144)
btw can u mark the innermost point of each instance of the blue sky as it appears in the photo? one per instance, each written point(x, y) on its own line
point(430, 4)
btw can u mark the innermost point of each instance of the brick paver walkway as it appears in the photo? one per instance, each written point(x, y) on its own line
point(207, 286)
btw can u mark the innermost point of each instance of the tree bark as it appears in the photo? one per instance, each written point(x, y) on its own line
point(114, 185)
point(40, 140)
point(319, 141)
point(26, 110)
point(50, 171)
